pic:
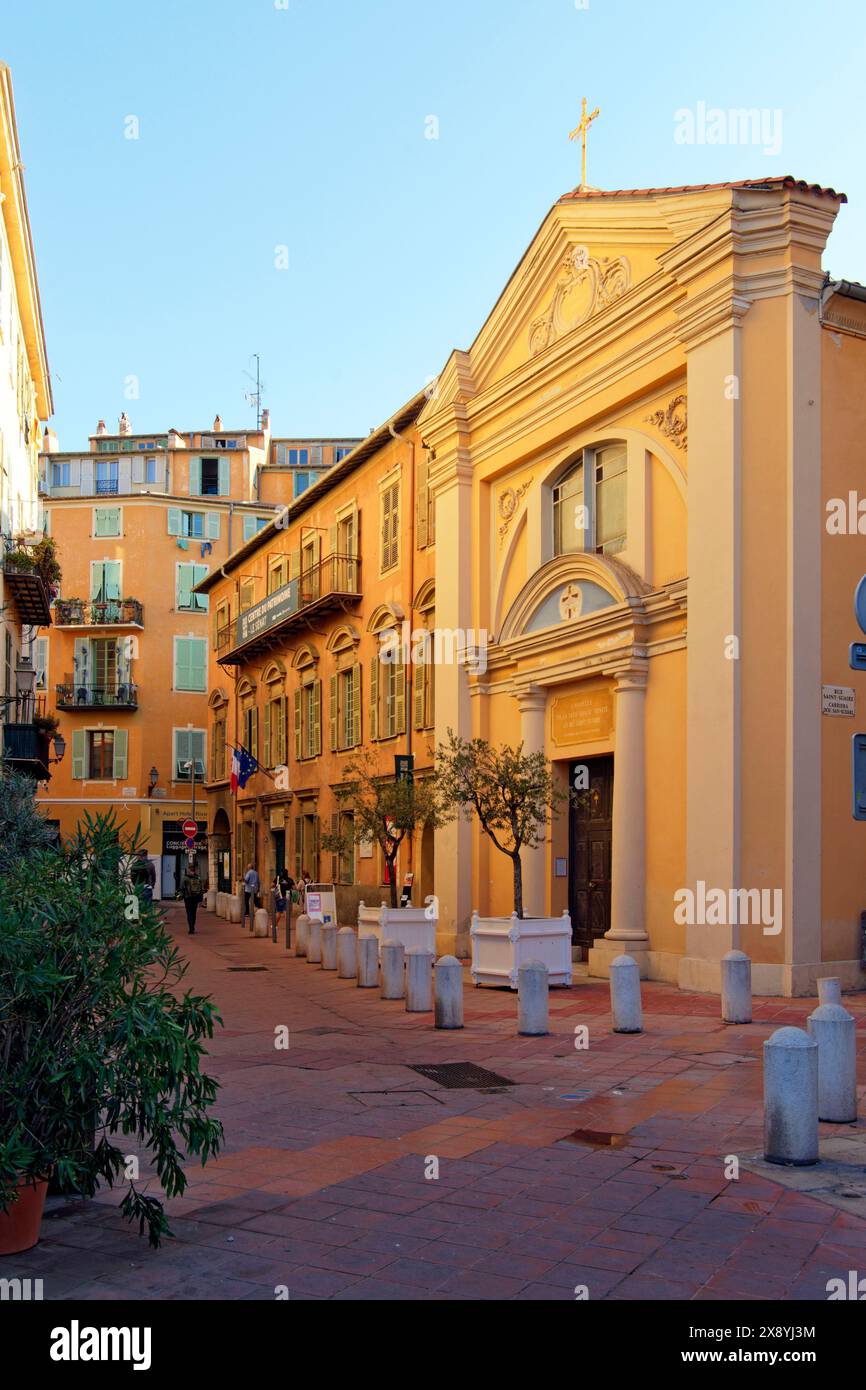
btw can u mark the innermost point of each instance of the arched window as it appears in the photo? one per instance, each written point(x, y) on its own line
point(590, 503)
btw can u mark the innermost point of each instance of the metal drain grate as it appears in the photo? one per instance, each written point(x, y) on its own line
point(234, 969)
point(461, 1076)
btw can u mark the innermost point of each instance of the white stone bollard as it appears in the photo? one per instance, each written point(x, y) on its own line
point(236, 908)
point(448, 991)
point(314, 942)
point(829, 990)
point(736, 988)
point(835, 1032)
point(791, 1098)
point(220, 905)
point(347, 954)
point(419, 980)
point(368, 962)
point(533, 994)
point(329, 946)
point(210, 898)
point(393, 962)
point(262, 923)
point(625, 1000)
point(302, 934)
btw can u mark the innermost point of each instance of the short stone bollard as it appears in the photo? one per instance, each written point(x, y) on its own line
point(368, 962)
point(829, 990)
point(347, 954)
point(834, 1030)
point(210, 900)
point(791, 1098)
point(302, 934)
point(448, 992)
point(314, 942)
point(393, 962)
point(736, 988)
point(262, 923)
point(236, 908)
point(329, 946)
point(533, 992)
point(625, 1000)
point(419, 980)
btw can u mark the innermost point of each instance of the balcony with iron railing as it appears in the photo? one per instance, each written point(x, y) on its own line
point(108, 695)
point(332, 584)
point(107, 487)
point(26, 748)
point(113, 612)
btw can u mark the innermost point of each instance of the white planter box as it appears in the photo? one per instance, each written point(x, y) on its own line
point(500, 945)
point(409, 925)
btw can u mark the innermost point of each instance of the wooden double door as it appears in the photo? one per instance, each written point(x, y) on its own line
point(590, 828)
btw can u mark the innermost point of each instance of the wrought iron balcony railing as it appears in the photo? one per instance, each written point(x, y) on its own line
point(333, 583)
point(120, 695)
point(113, 612)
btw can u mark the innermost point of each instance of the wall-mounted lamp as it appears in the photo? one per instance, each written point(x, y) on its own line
point(152, 779)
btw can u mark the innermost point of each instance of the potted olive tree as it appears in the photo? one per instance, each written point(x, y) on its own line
point(512, 795)
point(386, 812)
point(100, 1048)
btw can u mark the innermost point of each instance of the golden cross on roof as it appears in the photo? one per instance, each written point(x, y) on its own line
point(581, 131)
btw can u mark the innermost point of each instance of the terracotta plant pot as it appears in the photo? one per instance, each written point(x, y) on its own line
point(19, 1226)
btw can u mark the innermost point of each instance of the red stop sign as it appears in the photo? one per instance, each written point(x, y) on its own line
point(190, 829)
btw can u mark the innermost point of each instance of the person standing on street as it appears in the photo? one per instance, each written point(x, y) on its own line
point(252, 885)
point(192, 890)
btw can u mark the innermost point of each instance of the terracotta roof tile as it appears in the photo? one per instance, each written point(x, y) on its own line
point(779, 181)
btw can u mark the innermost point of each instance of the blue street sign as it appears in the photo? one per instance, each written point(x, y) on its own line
point(858, 748)
point(857, 656)
point(190, 844)
point(860, 604)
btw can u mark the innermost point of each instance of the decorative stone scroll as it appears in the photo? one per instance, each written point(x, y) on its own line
point(509, 501)
point(587, 285)
point(673, 421)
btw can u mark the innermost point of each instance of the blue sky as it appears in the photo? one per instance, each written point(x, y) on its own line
point(303, 126)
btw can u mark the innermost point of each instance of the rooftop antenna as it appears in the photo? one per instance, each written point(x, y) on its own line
point(254, 398)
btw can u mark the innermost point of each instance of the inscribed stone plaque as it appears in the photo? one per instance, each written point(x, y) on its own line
point(581, 718)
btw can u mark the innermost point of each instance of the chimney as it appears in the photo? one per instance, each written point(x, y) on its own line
point(100, 429)
point(123, 425)
point(217, 424)
point(49, 442)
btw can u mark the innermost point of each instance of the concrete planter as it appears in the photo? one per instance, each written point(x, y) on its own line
point(500, 945)
point(409, 925)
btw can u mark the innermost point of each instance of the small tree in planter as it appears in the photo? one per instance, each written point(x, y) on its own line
point(94, 1033)
point(384, 811)
point(511, 792)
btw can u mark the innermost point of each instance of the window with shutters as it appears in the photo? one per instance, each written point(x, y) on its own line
point(307, 707)
point(100, 754)
point(389, 505)
point(105, 580)
point(275, 751)
point(425, 510)
point(250, 728)
point(189, 752)
point(187, 576)
point(218, 760)
point(210, 477)
point(192, 524)
point(424, 662)
point(190, 663)
point(343, 864)
point(278, 573)
point(346, 709)
point(246, 594)
point(387, 679)
point(222, 625)
point(106, 521)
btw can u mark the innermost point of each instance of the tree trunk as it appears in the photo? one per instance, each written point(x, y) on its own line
point(518, 885)
point(392, 876)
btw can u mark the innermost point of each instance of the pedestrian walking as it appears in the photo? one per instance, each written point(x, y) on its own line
point(280, 902)
point(252, 887)
point(192, 890)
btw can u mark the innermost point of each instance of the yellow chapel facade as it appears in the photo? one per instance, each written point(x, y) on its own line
point(631, 479)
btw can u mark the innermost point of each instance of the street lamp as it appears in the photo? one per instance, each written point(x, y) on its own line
point(59, 748)
point(153, 778)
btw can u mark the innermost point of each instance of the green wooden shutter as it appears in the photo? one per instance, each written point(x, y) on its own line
point(399, 725)
point(317, 718)
point(81, 662)
point(184, 585)
point(249, 527)
point(79, 754)
point(121, 746)
point(333, 740)
point(254, 731)
point(201, 601)
point(198, 739)
point(213, 526)
point(420, 676)
point(112, 579)
point(294, 564)
point(298, 725)
point(225, 486)
point(190, 662)
point(374, 698)
point(267, 758)
point(356, 706)
point(174, 521)
point(421, 506)
point(282, 750)
point(97, 578)
point(195, 477)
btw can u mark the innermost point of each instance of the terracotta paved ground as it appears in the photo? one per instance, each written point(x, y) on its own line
point(322, 1186)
